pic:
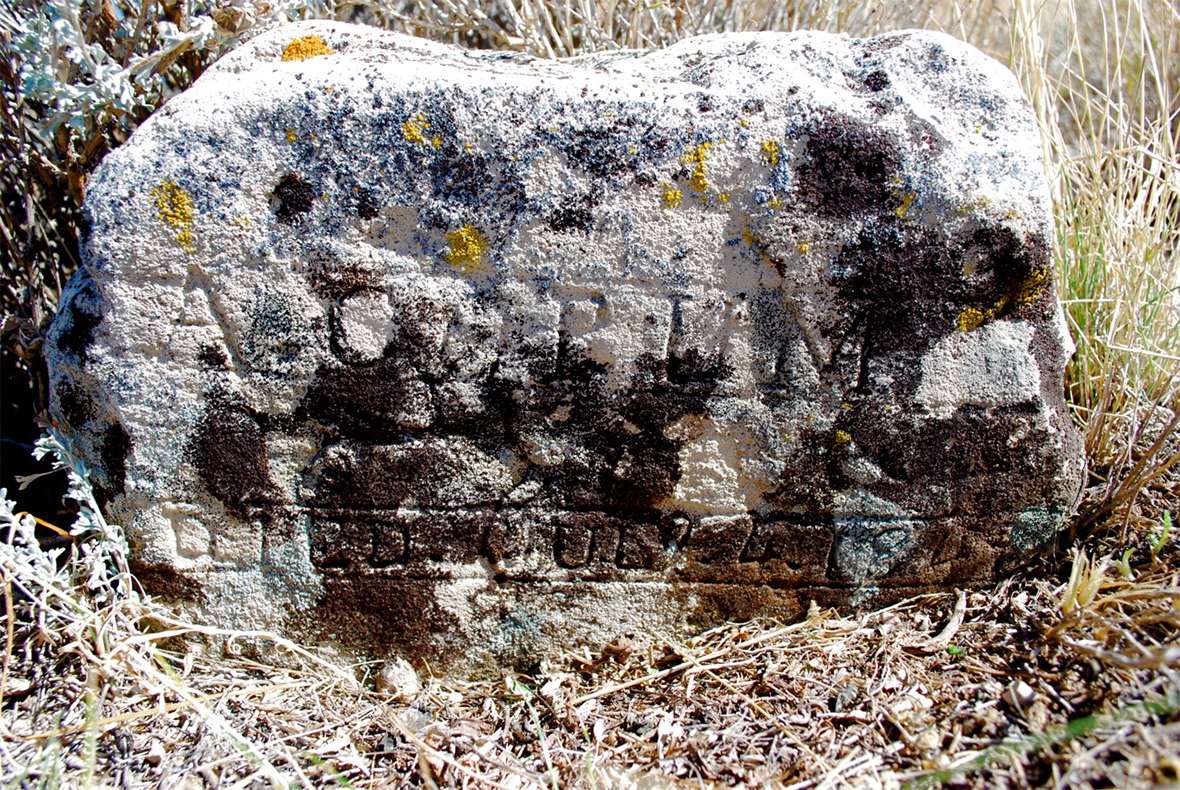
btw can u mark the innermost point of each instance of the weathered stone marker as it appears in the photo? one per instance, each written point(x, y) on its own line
point(475, 356)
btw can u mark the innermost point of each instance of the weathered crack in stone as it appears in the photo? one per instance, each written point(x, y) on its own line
point(474, 356)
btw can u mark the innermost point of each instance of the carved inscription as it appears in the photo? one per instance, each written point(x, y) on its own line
point(571, 545)
point(446, 460)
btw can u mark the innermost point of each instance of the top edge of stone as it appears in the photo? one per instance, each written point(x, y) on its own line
point(350, 41)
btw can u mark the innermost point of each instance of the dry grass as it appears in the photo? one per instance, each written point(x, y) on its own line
point(1064, 675)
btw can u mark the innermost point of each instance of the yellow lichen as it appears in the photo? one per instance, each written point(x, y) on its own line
point(974, 204)
point(804, 247)
point(412, 129)
point(775, 203)
point(748, 236)
point(436, 141)
point(907, 200)
point(1026, 293)
point(467, 248)
point(306, 47)
point(771, 152)
point(723, 197)
point(175, 208)
point(843, 437)
point(291, 136)
point(971, 319)
point(1031, 288)
point(673, 197)
point(697, 157)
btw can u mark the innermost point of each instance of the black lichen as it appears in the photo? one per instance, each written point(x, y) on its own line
point(292, 197)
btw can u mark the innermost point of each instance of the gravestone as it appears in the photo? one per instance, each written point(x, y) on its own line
point(473, 357)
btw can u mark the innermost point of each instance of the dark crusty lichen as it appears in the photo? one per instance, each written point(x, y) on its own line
point(849, 167)
point(292, 197)
point(229, 451)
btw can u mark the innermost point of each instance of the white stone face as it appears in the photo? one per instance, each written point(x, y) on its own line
point(471, 355)
point(989, 367)
point(366, 326)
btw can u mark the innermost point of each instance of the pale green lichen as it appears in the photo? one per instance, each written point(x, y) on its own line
point(1035, 526)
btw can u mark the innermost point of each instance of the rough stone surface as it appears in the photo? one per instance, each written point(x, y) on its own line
point(471, 357)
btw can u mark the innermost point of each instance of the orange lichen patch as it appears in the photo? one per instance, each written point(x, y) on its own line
point(907, 200)
point(971, 319)
point(175, 208)
point(673, 197)
point(771, 152)
point(467, 248)
point(306, 47)
point(698, 157)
